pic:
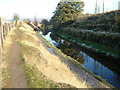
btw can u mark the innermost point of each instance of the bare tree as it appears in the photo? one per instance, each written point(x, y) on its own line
point(35, 21)
point(16, 18)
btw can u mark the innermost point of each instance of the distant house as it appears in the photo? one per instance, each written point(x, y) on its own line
point(119, 5)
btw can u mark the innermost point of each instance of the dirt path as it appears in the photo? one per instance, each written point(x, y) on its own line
point(17, 77)
point(52, 69)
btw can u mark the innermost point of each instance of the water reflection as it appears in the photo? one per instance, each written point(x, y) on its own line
point(99, 69)
point(88, 62)
point(68, 49)
point(48, 38)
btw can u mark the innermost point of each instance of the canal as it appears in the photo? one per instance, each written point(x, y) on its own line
point(89, 62)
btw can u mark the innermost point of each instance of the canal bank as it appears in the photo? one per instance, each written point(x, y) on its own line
point(90, 63)
point(108, 56)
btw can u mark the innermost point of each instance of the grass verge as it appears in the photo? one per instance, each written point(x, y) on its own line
point(34, 77)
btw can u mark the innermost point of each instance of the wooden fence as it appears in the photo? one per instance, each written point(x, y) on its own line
point(5, 27)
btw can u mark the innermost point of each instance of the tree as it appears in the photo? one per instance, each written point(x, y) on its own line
point(96, 7)
point(66, 11)
point(35, 21)
point(46, 26)
point(45, 22)
point(103, 6)
point(16, 18)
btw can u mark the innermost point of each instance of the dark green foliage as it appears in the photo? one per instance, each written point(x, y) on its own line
point(108, 22)
point(105, 38)
point(45, 22)
point(112, 50)
point(100, 28)
point(67, 11)
point(46, 26)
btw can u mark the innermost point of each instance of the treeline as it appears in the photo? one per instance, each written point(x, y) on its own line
point(103, 28)
point(108, 22)
point(100, 28)
point(101, 31)
point(67, 11)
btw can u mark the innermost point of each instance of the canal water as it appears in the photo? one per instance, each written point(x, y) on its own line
point(86, 60)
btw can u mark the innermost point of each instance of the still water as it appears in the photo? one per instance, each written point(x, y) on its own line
point(88, 62)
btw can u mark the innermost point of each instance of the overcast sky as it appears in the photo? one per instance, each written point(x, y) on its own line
point(44, 8)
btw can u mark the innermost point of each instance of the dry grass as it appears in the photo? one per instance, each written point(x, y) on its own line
point(39, 59)
point(36, 56)
point(5, 54)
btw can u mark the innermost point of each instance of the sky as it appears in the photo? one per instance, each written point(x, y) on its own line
point(45, 8)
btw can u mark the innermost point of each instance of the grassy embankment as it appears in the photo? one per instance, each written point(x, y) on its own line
point(30, 46)
point(96, 34)
point(95, 47)
point(58, 51)
point(31, 58)
point(99, 32)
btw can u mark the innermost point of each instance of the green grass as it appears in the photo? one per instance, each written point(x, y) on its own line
point(34, 77)
point(5, 77)
point(79, 65)
point(96, 76)
point(110, 51)
point(43, 39)
point(38, 81)
point(58, 51)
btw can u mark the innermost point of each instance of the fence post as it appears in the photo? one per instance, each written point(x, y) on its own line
point(5, 28)
point(0, 54)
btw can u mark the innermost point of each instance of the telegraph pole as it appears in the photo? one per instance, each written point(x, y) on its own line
point(96, 7)
point(119, 5)
point(103, 6)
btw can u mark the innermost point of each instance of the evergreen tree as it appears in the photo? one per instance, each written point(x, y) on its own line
point(66, 11)
point(45, 22)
